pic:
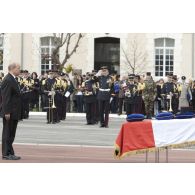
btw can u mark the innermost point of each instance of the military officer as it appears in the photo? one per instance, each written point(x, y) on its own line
point(149, 95)
point(50, 84)
point(185, 94)
point(44, 97)
point(175, 97)
point(138, 99)
point(167, 92)
point(26, 89)
point(59, 93)
point(95, 78)
point(121, 95)
point(104, 95)
point(89, 92)
point(130, 94)
point(34, 100)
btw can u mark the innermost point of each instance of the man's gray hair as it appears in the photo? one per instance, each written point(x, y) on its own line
point(12, 66)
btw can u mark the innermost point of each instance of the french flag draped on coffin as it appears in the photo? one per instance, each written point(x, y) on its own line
point(138, 137)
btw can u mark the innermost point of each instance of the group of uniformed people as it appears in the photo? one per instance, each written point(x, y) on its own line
point(144, 95)
point(103, 93)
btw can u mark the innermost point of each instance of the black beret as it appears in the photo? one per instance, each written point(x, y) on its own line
point(175, 77)
point(137, 76)
point(148, 73)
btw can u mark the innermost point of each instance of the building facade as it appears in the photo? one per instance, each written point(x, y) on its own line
point(123, 53)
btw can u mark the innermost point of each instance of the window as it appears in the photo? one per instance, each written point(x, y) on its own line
point(164, 56)
point(47, 47)
point(1, 51)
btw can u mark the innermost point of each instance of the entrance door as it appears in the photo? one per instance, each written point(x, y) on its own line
point(107, 53)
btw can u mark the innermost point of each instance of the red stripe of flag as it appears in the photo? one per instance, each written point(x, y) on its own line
point(135, 136)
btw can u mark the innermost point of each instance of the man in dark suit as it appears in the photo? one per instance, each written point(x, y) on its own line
point(10, 110)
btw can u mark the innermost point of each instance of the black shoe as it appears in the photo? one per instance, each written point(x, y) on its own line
point(102, 125)
point(16, 157)
point(11, 157)
point(91, 123)
point(106, 126)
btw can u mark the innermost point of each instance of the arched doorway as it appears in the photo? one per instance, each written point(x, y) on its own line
point(107, 53)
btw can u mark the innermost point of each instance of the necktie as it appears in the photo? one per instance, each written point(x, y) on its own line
point(16, 78)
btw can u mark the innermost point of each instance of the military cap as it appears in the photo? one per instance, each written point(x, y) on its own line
point(169, 74)
point(148, 73)
point(174, 77)
point(183, 78)
point(137, 76)
point(131, 78)
point(50, 71)
point(94, 71)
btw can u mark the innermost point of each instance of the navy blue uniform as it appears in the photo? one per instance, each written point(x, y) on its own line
point(168, 88)
point(104, 94)
point(52, 115)
point(130, 98)
point(89, 93)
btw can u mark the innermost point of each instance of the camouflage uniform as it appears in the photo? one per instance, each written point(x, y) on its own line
point(149, 94)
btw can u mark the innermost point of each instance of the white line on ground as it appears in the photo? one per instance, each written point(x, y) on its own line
point(184, 149)
point(89, 146)
point(63, 145)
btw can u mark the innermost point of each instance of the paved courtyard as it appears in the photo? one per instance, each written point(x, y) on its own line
point(74, 141)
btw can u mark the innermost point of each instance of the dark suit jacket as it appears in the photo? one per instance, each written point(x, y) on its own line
point(11, 98)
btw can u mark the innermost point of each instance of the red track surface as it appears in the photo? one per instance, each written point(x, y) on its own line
point(68, 154)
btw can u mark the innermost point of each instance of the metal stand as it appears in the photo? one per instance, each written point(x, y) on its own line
point(157, 155)
point(146, 160)
point(167, 155)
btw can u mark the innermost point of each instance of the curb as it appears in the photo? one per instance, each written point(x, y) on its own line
point(74, 114)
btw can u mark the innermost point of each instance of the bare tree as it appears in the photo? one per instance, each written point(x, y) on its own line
point(71, 43)
point(135, 57)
